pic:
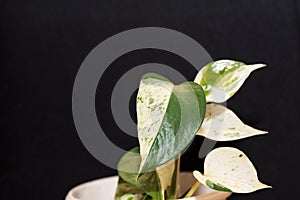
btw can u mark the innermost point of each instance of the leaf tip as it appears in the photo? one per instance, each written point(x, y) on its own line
point(262, 132)
point(257, 66)
point(262, 65)
point(265, 186)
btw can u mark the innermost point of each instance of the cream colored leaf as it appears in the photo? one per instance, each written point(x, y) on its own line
point(230, 170)
point(152, 101)
point(223, 78)
point(221, 124)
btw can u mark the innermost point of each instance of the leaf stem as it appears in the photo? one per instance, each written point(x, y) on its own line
point(192, 190)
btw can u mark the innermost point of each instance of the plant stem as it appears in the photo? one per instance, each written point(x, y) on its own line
point(192, 190)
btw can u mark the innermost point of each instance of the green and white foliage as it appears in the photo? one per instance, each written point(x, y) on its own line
point(154, 183)
point(221, 124)
point(223, 78)
point(169, 117)
point(229, 169)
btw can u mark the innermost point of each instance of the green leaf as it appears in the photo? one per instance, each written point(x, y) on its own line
point(125, 188)
point(155, 183)
point(217, 186)
point(229, 169)
point(148, 182)
point(169, 116)
point(147, 197)
point(223, 78)
point(221, 124)
point(128, 197)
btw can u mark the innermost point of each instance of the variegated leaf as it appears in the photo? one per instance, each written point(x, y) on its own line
point(229, 169)
point(223, 78)
point(169, 117)
point(221, 124)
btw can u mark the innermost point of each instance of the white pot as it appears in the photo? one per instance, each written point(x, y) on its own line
point(105, 188)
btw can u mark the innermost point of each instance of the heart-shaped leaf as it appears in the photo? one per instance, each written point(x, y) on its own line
point(169, 116)
point(229, 169)
point(223, 78)
point(221, 124)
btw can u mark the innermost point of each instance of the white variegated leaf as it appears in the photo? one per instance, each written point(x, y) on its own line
point(230, 170)
point(168, 116)
point(223, 78)
point(221, 124)
point(152, 102)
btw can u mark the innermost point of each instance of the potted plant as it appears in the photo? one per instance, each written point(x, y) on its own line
point(169, 117)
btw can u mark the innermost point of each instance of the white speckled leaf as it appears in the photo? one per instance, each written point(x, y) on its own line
point(221, 124)
point(152, 102)
point(229, 169)
point(223, 78)
point(169, 117)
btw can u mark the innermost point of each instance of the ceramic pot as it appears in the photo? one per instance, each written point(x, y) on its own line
point(104, 189)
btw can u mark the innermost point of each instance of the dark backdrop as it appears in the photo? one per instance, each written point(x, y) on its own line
point(44, 42)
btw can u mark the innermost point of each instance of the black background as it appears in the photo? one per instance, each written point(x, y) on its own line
point(44, 42)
